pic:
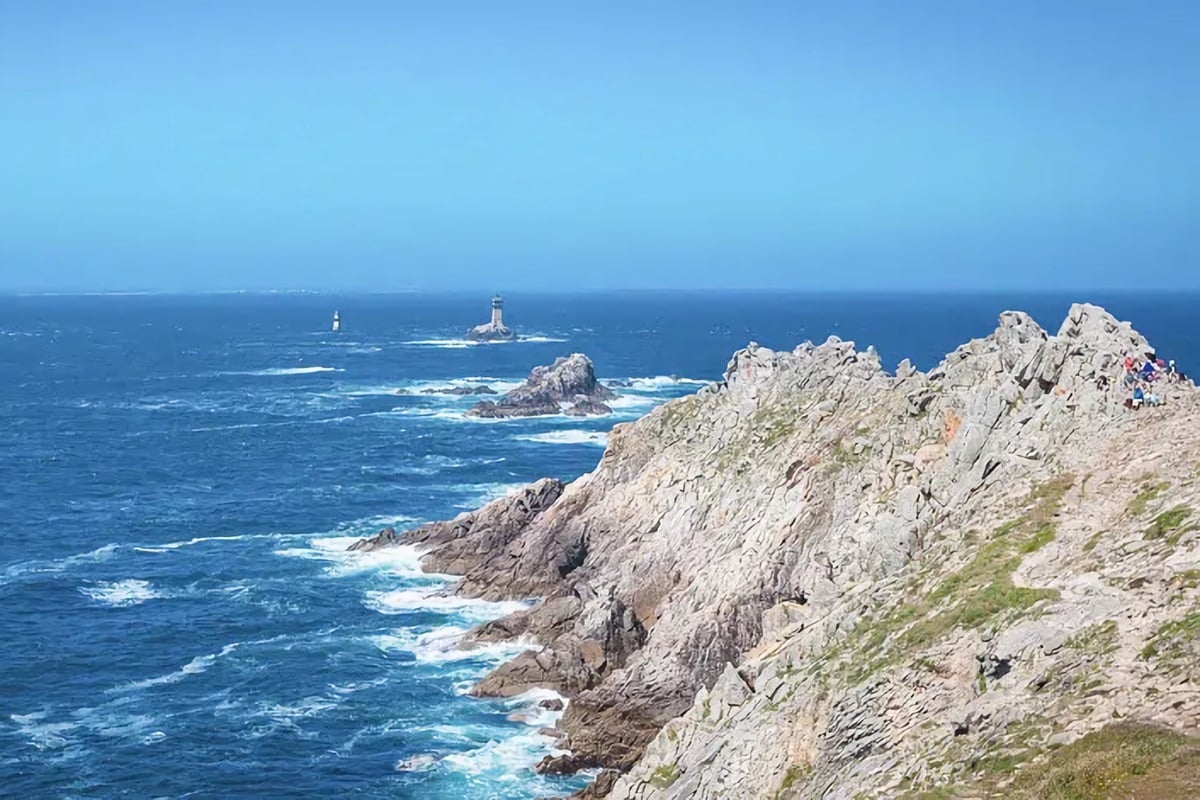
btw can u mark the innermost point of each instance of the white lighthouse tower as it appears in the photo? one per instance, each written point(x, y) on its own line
point(497, 311)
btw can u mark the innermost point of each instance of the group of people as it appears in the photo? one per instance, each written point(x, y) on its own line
point(1143, 379)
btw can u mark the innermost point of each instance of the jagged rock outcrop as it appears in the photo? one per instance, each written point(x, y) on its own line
point(570, 381)
point(816, 579)
point(461, 391)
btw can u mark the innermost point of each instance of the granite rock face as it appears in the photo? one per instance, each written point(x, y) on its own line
point(569, 382)
point(817, 579)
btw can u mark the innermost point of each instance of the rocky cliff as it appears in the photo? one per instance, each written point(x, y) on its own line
point(818, 579)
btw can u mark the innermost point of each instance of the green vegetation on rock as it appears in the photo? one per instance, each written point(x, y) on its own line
point(980, 592)
point(1175, 640)
point(1148, 493)
point(1098, 639)
point(664, 775)
point(1169, 525)
point(795, 773)
point(1122, 760)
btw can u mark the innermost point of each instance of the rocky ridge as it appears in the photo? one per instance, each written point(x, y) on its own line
point(816, 579)
point(570, 381)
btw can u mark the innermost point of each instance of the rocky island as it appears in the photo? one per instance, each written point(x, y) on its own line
point(816, 579)
point(494, 330)
point(567, 386)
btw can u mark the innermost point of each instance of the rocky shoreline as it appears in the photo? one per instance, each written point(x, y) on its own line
point(818, 579)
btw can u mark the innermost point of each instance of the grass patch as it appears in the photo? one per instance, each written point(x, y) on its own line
point(1169, 525)
point(1121, 760)
point(664, 775)
point(793, 776)
point(1098, 639)
point(1174, 640)
point(1146, 494)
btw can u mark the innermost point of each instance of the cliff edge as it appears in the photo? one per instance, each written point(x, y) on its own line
point(817, 579)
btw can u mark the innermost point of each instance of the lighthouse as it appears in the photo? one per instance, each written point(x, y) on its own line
point(493, 331)
point(497, 311)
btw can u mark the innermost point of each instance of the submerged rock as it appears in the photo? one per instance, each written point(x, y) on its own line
point(461, 391)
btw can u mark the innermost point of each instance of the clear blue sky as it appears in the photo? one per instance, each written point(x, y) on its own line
point(505, 144)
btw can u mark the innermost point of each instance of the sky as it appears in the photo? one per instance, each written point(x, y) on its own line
point(513, 145)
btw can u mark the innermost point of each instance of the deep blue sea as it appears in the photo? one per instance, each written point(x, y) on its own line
point(180, 476)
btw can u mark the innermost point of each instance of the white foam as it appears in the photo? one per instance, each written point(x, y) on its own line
point(660, 382)
point(403, 561)
point(528, 709)
point(306, 707)
point(568, 437)
point(278, 371)
point(43, 735)
point(500, 759)
point(196, 666)
point(201, 539)
point(446, 644)
point(22, 568)
point(120, 594)
point(401, 601)
point(454, 344)
point(458, 344)
point(629, 401)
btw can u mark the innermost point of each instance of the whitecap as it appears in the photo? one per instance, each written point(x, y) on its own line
point(401, 601)
point(43, 735)
point(568, 437)
point(660, 382)
point(448, 644)
point(16, 571)
point(196, 666)
point(120, 594)
point(631, 401)
point(458, 344)
point(418, 763)
point(278, 371)
point(201, 539)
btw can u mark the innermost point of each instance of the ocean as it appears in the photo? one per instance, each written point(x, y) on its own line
point(181, 475)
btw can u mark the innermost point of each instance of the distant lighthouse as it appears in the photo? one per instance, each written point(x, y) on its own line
point(494, 331)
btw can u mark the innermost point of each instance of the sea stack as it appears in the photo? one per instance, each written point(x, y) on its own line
point(494, 331)
point(567, 386)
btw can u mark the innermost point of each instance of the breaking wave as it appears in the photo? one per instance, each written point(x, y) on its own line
point(402, 601)
point(568, 437)
point(120, 594)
